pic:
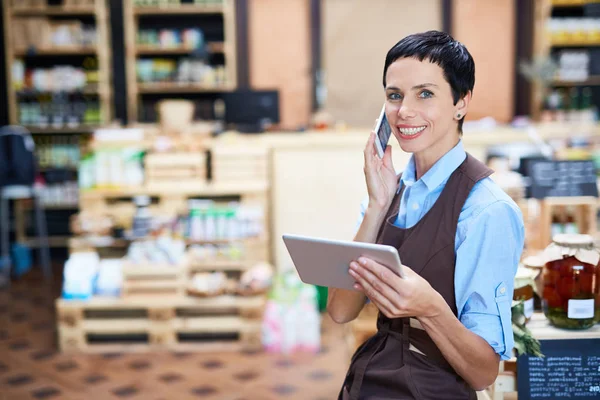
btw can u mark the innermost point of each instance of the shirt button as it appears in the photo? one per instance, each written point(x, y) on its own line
point(415, 206)
point(502, 290)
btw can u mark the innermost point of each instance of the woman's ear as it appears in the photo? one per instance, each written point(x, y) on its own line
point(462, 106)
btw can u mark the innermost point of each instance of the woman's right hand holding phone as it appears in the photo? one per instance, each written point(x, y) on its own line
point(382, 182)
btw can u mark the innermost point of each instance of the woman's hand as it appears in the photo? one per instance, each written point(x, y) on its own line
point(380, 175)
point(396, 297)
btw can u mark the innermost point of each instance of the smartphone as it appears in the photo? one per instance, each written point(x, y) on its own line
point(383, 131)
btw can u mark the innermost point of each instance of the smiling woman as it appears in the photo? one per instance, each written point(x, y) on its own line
point(444, 327)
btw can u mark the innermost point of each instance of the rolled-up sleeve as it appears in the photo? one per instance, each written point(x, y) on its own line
point(486, 264)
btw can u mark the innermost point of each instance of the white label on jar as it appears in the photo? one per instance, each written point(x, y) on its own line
point(528, 308)
point(581, 309)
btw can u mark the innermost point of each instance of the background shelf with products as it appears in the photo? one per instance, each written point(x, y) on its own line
point(58, 63)
point(178, 49)
point(566, 43)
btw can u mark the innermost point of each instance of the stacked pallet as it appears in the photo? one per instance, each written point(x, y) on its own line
point(155, 311)
point(168, 170)
point(153, 280)
point(152, 324)
point(239, 164)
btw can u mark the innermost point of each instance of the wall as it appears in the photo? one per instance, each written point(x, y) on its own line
point(487, 28)
point(357, 35)
point(280, 55)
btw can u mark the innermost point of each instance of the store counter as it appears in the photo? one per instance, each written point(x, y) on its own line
point(317, 178)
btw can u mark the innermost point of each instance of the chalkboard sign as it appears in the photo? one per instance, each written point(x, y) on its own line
point(561, 178)
point(569, 370)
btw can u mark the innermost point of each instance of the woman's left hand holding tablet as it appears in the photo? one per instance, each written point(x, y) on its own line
point(396, 297)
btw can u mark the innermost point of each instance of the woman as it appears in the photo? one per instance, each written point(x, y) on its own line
point(443, 329)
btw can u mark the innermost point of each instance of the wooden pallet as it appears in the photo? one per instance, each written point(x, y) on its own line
point(153, 280)
point(103, 325)
point(162, 169)
point(170, 199)
point(239, 164)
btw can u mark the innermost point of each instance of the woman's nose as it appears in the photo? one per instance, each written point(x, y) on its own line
point(405, 111)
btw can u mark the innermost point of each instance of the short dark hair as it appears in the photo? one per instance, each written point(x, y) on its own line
point(441, 49)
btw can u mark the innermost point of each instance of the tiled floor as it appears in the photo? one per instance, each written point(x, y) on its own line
point(31, 368)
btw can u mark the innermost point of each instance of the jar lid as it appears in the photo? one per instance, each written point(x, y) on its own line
point(573, 240)
point(572, 245)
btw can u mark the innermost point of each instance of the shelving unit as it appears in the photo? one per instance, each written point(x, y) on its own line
point(545, 45)
point(49, 104)
point(217, 23)
point(16, 12)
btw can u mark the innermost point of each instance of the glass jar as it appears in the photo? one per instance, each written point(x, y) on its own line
point(570, 284)
point(597, 294)
point(524, 290)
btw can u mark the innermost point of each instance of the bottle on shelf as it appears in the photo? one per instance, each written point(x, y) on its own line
point(573, 113)
point(587, 112)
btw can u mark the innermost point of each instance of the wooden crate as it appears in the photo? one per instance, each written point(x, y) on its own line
point(153, 280)
point(166, 169)
point(103, 325)
point(585, 216)
point(107, 201)
point(238, 164)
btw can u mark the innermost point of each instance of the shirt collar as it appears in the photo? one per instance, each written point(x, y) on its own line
point(439, 172)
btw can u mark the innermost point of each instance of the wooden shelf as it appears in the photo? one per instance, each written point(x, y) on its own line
point(88, 89)
point(58, 51)
point(58, 168)
point(214, 47)
point(155, 50)
point(53, 11)
point(53, 241)
point(571, 3)
point(591, 81)
point(178, 10)
point(34, 130)
point(224, 301)
point(166, 15)
point(218, 265)
point(199, 190)
point(574, 44)
point(60, 207)
point(180, 88)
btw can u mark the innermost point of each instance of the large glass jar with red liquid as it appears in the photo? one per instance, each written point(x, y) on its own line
point(570, 281)
point(597, 294)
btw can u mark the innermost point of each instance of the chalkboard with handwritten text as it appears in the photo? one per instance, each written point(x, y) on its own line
point(561, 178)
point(569, 370)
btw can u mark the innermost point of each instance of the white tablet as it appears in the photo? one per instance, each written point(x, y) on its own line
point(326, 262)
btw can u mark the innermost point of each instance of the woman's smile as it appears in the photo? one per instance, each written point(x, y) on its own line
point(410, 132)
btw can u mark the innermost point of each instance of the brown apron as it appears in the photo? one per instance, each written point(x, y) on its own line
point(401, 361)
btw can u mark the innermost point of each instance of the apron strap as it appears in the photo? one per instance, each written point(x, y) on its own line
point(361, 368)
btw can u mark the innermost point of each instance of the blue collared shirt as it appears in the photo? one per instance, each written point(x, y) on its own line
point(489, 241)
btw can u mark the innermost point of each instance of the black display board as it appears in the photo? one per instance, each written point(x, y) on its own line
point(549, 178)
point(569, 370)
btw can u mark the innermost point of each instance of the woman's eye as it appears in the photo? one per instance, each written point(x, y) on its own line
point(425, 94)
point(394, 96)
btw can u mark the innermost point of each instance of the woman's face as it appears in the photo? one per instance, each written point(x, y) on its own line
point(419, 106)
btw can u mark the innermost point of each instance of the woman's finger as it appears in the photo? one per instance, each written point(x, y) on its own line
point(380, 284)
point(370, 149)
point(381, 307)
point(387, 158)
point(376, 292)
